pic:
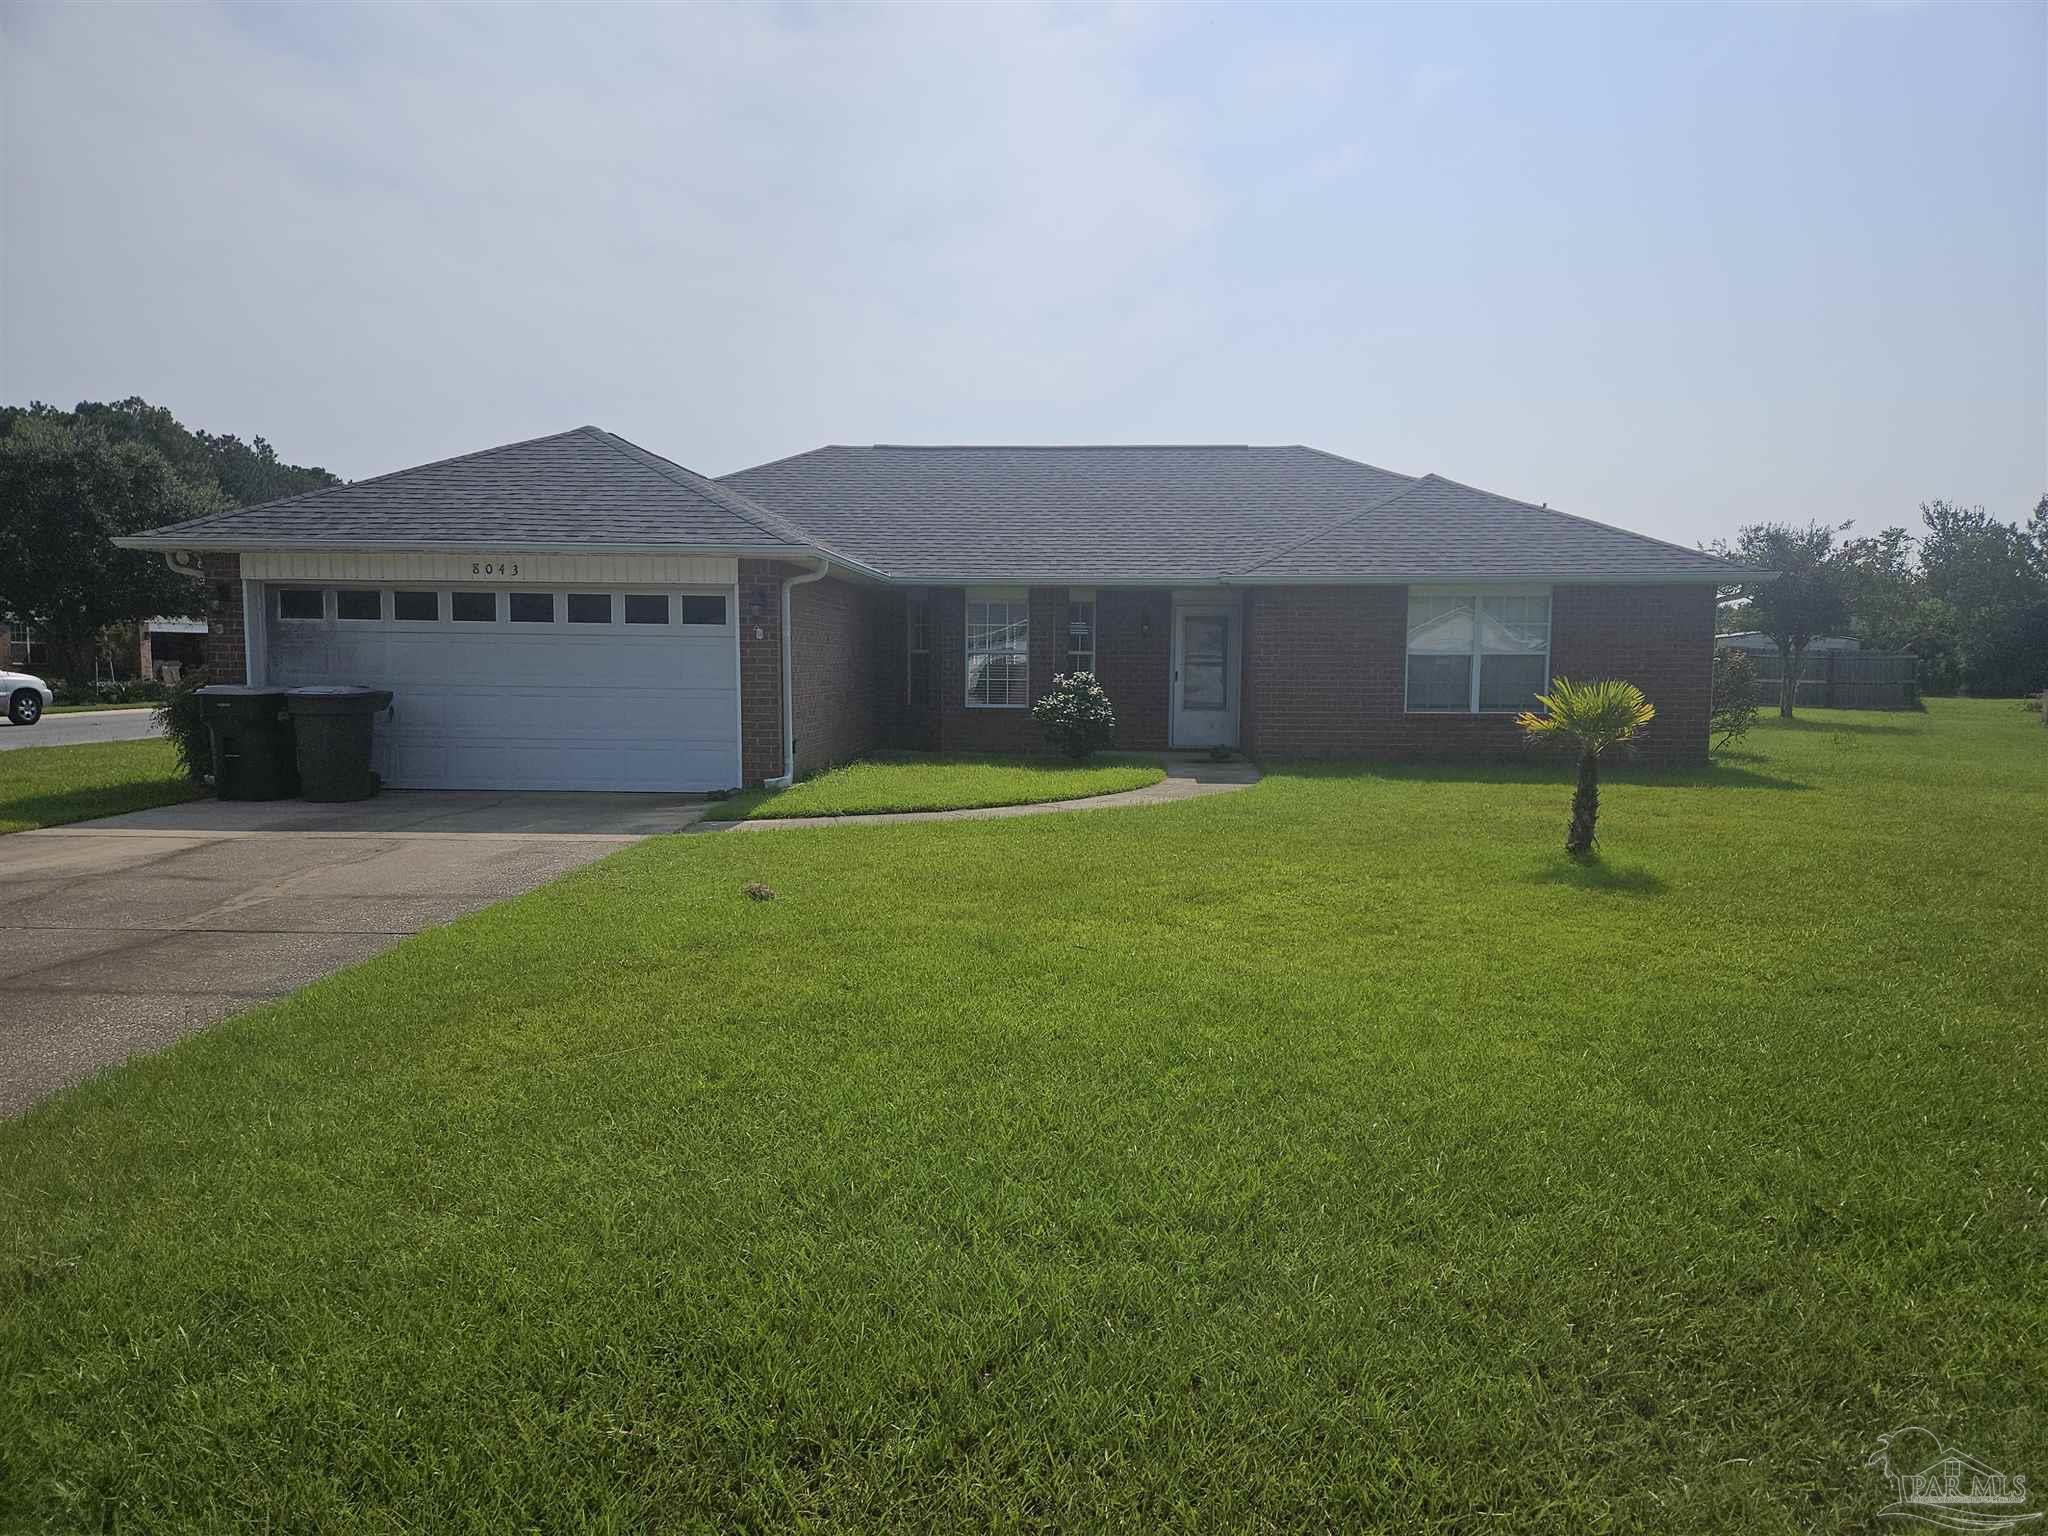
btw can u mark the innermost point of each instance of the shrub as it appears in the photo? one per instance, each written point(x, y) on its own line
point(104, 692)
point(1075, 716)
point(1736, 695)
point(179, 718)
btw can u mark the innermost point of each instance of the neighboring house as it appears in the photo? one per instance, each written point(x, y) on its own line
point(19, 646)
point(1757, 643)
point(575, 612)
point(157, 644)
point(169, 646)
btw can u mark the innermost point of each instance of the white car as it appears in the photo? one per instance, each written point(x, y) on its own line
point(27, 697)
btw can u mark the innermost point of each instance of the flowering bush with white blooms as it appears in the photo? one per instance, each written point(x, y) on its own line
point(1075, 716)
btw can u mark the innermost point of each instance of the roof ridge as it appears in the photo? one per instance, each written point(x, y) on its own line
point(346, 485)
point(787, 458)
point(763, 517)
point(1590, 522)
point(1378, 469)
point(1350, 517)
point(1049, 448)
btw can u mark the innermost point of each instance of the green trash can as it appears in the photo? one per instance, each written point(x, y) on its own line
point(333, 729)
point(253, 756)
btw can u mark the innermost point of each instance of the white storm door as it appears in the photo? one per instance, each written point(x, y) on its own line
point(1205, 685)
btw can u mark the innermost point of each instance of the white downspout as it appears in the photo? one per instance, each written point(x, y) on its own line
point(788, 677)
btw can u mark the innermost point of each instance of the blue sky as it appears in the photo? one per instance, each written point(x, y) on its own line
point(1671, 268)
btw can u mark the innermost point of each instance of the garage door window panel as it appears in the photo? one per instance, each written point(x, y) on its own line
point(473, 607)
point(590, 607)
point(416, 607)
point(646, 607)
point(703, 608)
point(532, 607)
point(301, 605)
point(358, 605)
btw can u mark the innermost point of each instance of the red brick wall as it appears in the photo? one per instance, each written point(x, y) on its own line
point(1659, 638)
point(1325, 670)
point(227, 659)
point(760, 616)
point(848, 681)
point(961, 729)
point(1133, 665)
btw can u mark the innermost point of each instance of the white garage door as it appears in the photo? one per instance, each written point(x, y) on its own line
point(527, 687)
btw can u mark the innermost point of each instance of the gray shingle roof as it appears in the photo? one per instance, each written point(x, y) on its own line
point(1105, 514)
point(580, 487)
point(1438, 528)
point(1075, 514)
point(1084, 515)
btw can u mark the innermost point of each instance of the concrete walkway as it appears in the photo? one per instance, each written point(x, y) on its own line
point(1187, 778)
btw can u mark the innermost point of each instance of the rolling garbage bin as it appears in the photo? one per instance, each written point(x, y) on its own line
point(252, 742)
point(333, 726)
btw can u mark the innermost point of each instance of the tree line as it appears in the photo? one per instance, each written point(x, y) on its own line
point(72, 481)
point(1968, 595)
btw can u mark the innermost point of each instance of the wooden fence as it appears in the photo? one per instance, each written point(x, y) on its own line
point(1843, 680)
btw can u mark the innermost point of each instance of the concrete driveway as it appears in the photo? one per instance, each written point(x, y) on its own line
point(125, 934)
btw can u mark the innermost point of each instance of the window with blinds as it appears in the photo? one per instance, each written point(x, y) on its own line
point(998, 652)
point(1477, 652)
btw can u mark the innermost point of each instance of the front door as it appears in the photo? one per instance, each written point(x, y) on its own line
point(1205, 648)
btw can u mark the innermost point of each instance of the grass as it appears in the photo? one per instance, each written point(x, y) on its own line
point(95, 709)
point(932, 782)
point(46, 786)
point(1333, 1155)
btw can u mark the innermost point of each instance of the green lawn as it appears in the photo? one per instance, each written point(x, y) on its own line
point(44, 786)
point(930, 782)
point(93, 709)
point(1328, 1156)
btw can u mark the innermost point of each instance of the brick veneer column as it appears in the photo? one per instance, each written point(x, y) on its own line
point(1133, 661)
point(227, 656)
point(848, 648)
point(760, 618)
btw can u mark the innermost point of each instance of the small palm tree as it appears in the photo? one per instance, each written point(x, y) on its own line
point(1596, 715)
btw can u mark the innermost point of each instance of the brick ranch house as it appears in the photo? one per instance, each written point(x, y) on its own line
point(574, 612)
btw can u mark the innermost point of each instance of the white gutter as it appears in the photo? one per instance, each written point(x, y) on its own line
point(788, 675)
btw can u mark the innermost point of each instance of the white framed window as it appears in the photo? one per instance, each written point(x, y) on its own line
point(1080, 634)
point(1478, 651)
point(998, 649)
point(358, 605)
